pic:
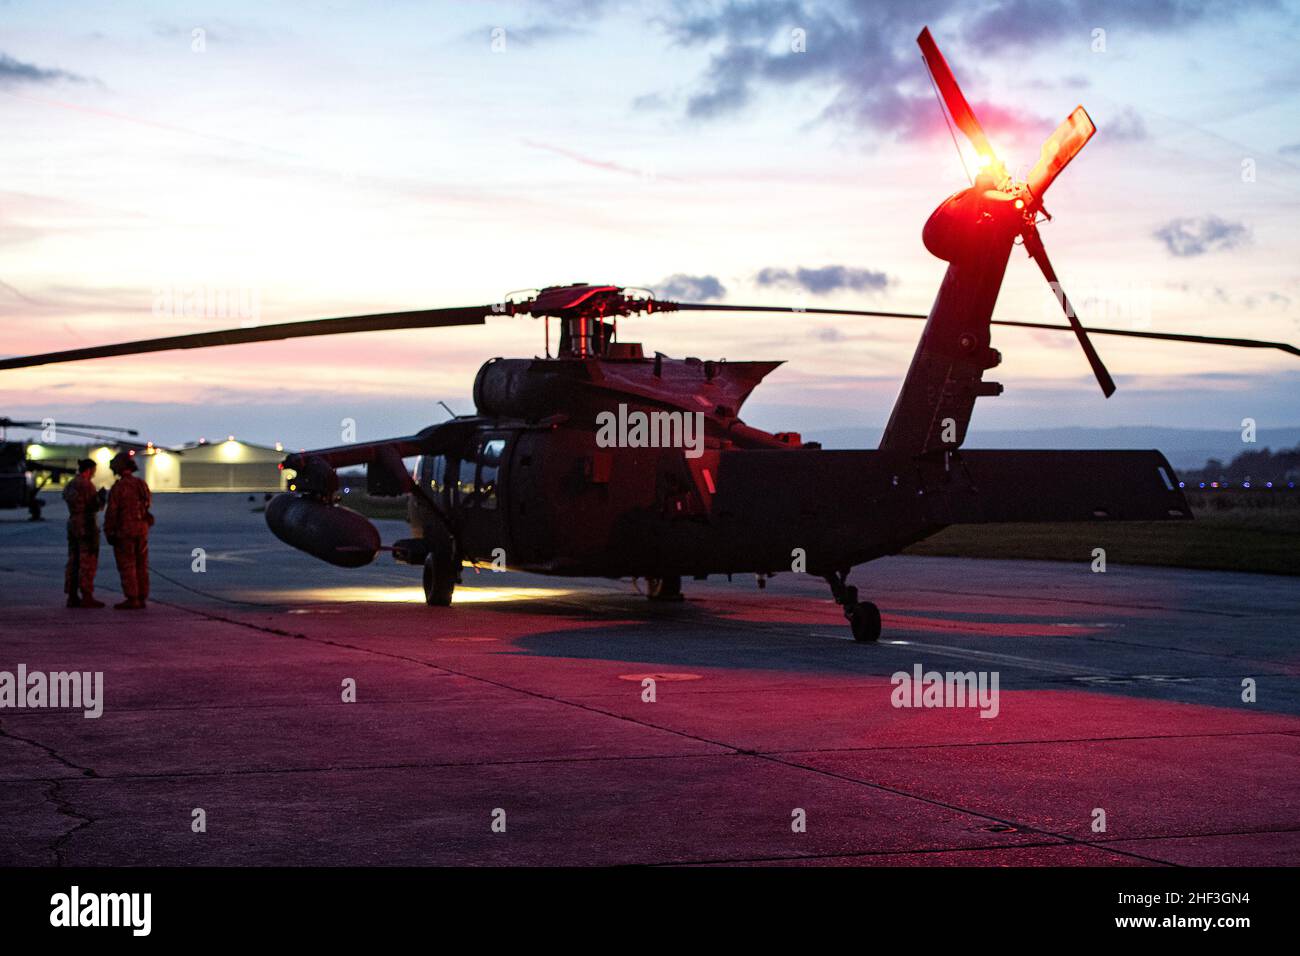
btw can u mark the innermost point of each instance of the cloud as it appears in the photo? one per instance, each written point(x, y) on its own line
point(824, 280)
point(14, 72)
point(595, 162)
point(685, 288)
point(1126, 126)
point(528, 35)
point(9, 290)
point(1187, 237)
point(649, 102)
point(1023, 24)
point(864, 55)
point(1291, 149)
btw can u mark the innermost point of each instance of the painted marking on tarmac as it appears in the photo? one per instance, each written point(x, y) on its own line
point(943, 650)
point(660, 677)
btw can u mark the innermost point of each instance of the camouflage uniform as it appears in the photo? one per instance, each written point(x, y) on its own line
point(126, 525)
point(83, 536)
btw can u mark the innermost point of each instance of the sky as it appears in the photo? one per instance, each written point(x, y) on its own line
point(306, 160)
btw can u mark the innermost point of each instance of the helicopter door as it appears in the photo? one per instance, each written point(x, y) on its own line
point(477, 487)
point(435, 474)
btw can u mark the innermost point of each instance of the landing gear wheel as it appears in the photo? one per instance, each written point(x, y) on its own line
point(664, 589)
point(439, 580)
point(864, 620)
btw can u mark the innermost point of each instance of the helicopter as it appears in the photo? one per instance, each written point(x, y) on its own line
point(527, 483)
point(22, 479)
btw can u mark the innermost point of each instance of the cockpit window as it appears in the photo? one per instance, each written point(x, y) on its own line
point(489, 465)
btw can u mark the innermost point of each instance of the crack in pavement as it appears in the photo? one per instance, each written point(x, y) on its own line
point(66, 808)
point(47, 750)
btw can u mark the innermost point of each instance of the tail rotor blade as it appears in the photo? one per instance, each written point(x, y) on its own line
point(1034, 245)
point(1061, 147)
point(955, 101)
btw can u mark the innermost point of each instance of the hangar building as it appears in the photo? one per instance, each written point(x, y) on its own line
point(228, 465)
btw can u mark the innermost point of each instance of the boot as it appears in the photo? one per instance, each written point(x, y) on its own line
point(127, 605)
point(73, 600)
point(88, 600)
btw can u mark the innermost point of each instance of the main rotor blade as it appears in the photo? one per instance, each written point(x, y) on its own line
point(379, 322)
point(1091, 330)
point(958, 108)
point(96, 436)
point(1162, 336)
point(715, 307)
point(33, 426)
point(1061, 147)
point(1034, 245)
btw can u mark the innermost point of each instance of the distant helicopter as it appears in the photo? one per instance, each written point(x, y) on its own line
point(532, 482)
point(22, 479)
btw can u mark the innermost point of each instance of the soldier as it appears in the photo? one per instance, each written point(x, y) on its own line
point(83, 536)
point(126, 526)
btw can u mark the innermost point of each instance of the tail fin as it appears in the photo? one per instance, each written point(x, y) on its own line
point(974, 231)
point(947, 372)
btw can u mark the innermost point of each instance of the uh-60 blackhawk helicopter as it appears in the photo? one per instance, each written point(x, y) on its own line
point(527, 479)
point(23, 477)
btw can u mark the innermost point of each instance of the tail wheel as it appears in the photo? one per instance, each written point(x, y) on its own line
point(439, 580)
point(864, 620)
point(664, 589)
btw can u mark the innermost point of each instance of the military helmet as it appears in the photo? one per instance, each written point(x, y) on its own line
point(122, 461)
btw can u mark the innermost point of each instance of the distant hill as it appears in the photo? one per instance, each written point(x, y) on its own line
point(1186, 448)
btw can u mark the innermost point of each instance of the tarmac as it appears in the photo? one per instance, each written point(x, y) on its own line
point(517, 727)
